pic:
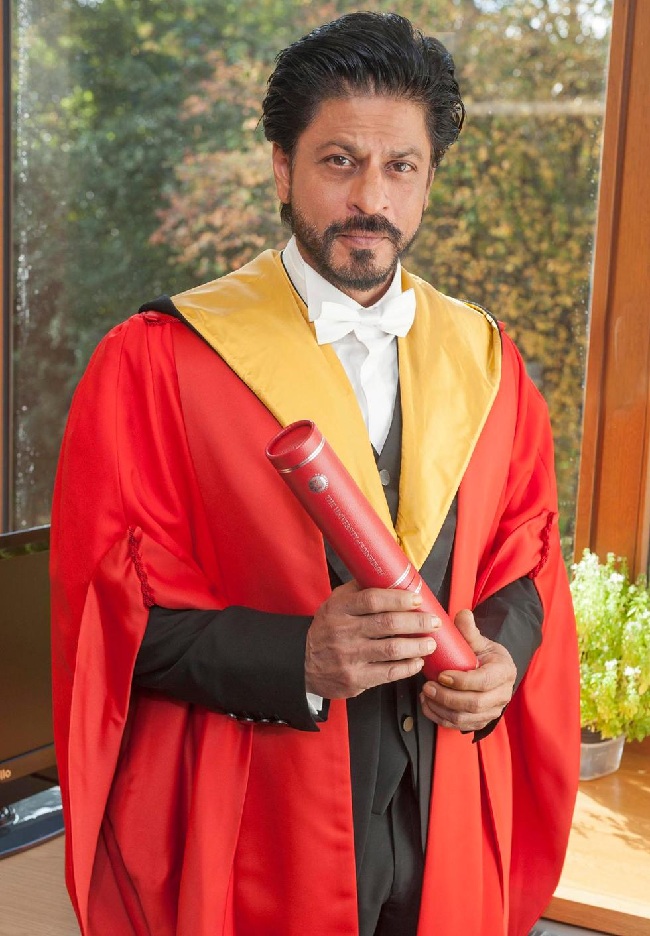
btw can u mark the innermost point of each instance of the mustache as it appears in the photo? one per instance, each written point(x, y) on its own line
point(366, 224)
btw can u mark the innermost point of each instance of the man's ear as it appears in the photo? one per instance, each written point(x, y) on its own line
point(282, 173)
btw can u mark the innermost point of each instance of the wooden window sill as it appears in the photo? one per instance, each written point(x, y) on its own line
point(605, 883)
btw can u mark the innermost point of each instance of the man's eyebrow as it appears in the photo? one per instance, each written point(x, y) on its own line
point(412, 151)
point(353, 150)
point(338, 144)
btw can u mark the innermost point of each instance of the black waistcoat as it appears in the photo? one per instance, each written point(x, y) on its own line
point(387, 731)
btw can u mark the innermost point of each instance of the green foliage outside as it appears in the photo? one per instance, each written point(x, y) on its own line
point(140, 169)
point(613, 618)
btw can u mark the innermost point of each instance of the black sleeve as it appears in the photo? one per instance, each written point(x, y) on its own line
point(247, 664)
point(512, 617)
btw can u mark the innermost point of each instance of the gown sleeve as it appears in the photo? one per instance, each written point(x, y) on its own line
point(128, 531)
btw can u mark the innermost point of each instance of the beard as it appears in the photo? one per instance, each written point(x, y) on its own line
point(361, 272)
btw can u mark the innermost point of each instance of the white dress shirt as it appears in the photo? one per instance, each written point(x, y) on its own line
point(368, 355)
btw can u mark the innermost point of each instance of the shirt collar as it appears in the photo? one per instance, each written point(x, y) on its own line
point(313, 289)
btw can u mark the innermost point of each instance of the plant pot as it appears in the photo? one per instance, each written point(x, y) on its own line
point(598, 756)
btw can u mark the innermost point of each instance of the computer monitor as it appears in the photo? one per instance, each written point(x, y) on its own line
point(26, 735)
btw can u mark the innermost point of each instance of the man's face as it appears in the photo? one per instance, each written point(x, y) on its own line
point(357, 185)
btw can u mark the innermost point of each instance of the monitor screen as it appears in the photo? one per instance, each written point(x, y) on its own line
point(30, 802)
point(26, 738)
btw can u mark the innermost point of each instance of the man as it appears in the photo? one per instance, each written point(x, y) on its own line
point(245, 744)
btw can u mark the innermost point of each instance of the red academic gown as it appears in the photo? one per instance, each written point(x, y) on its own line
point(184, 822)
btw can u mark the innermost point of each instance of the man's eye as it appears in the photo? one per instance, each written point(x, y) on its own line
point(339, 160)
point(402, 167)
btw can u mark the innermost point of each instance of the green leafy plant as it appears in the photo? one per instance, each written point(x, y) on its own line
point(613, 619)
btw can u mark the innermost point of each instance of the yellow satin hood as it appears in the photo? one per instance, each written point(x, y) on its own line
point(449, 366)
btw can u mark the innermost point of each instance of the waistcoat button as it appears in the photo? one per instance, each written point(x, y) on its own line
point(384, 476)
point(407, 723)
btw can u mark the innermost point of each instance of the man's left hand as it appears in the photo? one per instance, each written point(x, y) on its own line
point(470, 701)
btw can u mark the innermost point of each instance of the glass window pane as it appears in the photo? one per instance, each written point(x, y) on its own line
point(139, 169)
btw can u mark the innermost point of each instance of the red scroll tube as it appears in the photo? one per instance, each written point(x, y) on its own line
point(337, 506)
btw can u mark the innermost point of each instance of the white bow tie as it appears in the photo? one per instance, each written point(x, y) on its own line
point(394, 317)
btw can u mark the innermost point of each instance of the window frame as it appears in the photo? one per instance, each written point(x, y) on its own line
point(613, 502)
point(6, 434)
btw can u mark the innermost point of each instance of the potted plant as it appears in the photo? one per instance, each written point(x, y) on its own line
point(613, 621)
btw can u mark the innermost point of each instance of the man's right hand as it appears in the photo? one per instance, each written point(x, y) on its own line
point(364, 637)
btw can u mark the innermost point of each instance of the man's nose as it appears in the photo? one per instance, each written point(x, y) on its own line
point(368, 193)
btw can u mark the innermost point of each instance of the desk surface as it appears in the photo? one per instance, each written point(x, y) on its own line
point(605, 884)
point(33, 897)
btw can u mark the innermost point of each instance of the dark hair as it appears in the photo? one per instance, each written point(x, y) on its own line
point(371, 53)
